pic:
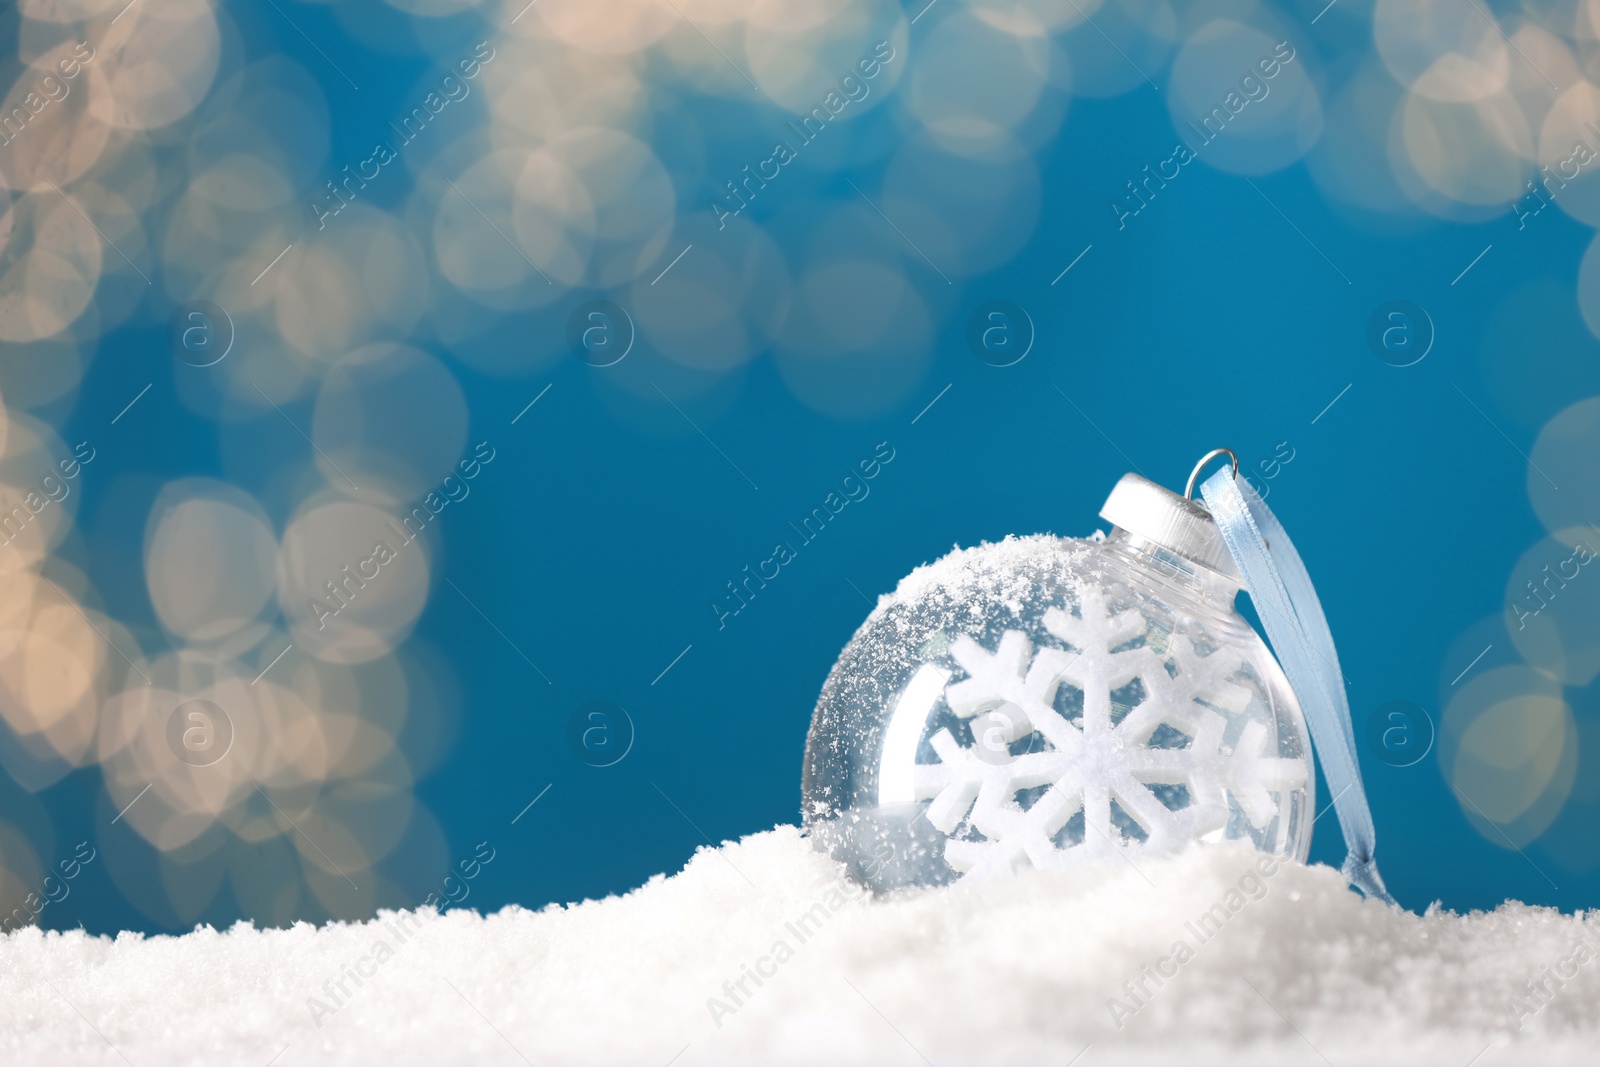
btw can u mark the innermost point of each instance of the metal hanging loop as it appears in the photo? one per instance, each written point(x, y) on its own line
point(1194, 475)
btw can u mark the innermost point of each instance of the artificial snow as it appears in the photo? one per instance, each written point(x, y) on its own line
point(760, 952)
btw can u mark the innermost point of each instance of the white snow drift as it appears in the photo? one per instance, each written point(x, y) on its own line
point(759, 952)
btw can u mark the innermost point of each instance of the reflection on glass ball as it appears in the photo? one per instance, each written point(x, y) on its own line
point(1046, 703)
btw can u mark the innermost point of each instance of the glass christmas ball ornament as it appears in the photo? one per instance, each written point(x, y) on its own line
point(1049, 702)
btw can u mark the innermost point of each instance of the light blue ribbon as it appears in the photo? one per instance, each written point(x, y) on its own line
point(1289, 609)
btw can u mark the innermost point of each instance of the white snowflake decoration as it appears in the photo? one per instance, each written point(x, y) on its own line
point(1010, 693)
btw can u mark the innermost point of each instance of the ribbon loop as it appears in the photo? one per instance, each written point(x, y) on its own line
point(1287, 603)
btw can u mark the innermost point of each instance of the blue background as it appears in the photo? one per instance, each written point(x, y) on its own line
point(608, 523)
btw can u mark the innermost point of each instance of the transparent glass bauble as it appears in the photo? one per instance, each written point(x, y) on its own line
point(1049, 702)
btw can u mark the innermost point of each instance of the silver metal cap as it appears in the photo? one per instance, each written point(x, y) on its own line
point(1175, 523)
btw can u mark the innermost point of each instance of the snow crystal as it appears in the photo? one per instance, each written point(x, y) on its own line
point(1089, 766)
point(758, 952)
